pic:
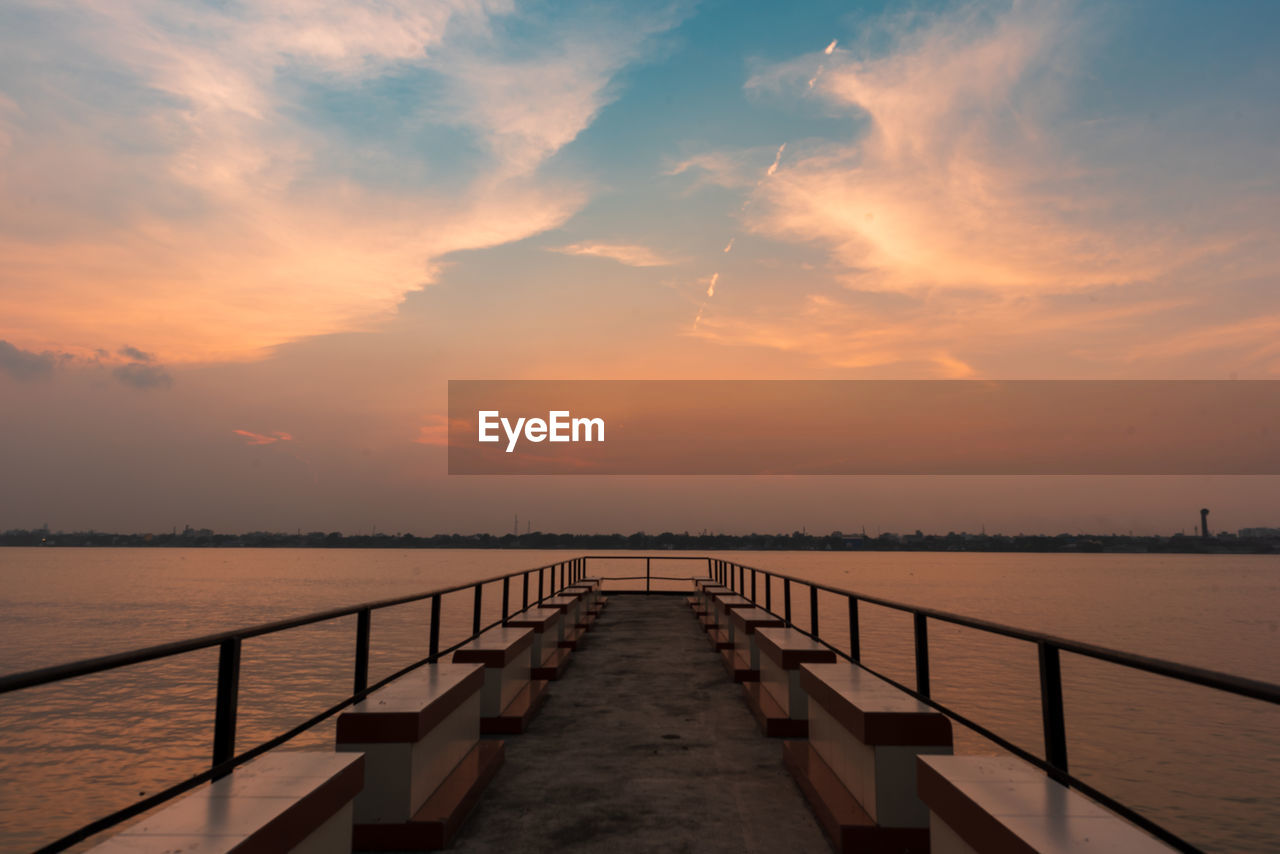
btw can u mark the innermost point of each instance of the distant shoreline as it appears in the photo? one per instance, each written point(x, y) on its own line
point(1225, 543)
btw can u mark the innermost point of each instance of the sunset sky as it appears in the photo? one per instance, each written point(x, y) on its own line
point(244, 246)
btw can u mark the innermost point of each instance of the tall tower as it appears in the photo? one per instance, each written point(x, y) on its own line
point(1204, 523)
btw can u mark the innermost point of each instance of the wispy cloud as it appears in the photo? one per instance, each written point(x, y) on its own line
point(142, 376)
point(965, 176)
point(629, 254)
point(24, 364)
point(252, 438)
point(208, 183)
point(435, 430)
point(136, 355)
point(978, 184)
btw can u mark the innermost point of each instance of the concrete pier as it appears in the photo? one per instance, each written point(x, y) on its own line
point(644, 745)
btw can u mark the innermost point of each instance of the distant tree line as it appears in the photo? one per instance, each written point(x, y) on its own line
point(795, 541)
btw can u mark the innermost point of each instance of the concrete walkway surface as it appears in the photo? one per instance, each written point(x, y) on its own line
point(645, 745)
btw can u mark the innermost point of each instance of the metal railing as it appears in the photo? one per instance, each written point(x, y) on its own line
point(226, 703)
point(743, 579)
point(552, 577)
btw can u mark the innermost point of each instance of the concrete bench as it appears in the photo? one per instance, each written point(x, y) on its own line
point(778, 701)
point(589, 611)
point(742, 658)
point(1002, 804)
point(425, 765)
point(716, 621)
point(510, 697)
point(280, 802)
point(572, 607)
point(548, 657)
point(702, 604)
point(858, 768)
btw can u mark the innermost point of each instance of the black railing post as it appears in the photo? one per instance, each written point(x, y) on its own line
point(768, 591)
point(475, 610)
point(433, 650)
point(922, 654)
point(506, 598)
point(364, 620)
point(753, 585)
point(813, 610)
point(541, 576)
point(742, 579)
point(855, 640)
point(786, 600)
point(526, 588)
point(228, 696)
point(1051, 709)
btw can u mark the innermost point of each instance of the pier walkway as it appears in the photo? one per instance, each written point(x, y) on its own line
point(644, 745)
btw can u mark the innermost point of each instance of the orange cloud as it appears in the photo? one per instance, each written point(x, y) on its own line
point(436, 430)
point(629, 254)
point(222, 212)
point(261, 439)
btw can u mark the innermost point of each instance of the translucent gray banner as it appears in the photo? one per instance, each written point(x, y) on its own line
point(871, 427)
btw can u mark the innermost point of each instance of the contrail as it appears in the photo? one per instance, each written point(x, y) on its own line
point(777, 158)
point(769, 173)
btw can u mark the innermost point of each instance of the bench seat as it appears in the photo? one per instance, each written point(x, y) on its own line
point(1002, 804)
point(704, 605)
point(590, 608)
point(510, 697)
point(425, 763)
point(743, 659)
point(778, 701)
point(282, 801)
point(549, 658)
point(721, 603)
point(865, 734)
point(570, 605)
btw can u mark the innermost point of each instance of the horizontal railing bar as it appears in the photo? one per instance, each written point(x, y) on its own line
point(1240, 685)
point(1230, 683)
point(646, 557)
point(642, 577)
point(87, 666)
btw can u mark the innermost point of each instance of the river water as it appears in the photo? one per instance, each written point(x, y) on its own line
point(1204, 765)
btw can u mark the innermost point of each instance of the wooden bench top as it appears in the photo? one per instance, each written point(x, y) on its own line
point(999, 803)
point(749, 619)
point(731, 600)
point(791, 648)
point(497, 647)
point(560, 603)
point(593, 581)
point(538, 619)
point(268, 805)
point(872, 709)
point(411, 706)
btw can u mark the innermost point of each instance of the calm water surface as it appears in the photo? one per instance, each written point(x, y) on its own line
point(1204, 765)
